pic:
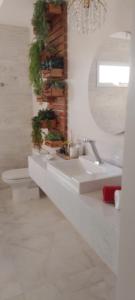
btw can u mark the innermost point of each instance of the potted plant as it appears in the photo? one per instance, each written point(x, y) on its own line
point(54, 139)
point(48, 118)
point(54, 88)
point(53, 67)
point(39, 20)
point(37, 138)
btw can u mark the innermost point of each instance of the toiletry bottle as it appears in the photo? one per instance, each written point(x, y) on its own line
point(73, 152)
point(80, 147)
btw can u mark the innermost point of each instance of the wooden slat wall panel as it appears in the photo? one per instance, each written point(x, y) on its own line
point(58, 38)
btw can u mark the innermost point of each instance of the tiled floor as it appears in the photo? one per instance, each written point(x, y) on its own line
point(43, 258)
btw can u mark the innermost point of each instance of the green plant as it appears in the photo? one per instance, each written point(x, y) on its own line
point(53, 62)
point(39, 20)
point(47, 114)
point(54, 136)
point(49, 51)
point(37, 138)
point(35, 66)
point(52, 83)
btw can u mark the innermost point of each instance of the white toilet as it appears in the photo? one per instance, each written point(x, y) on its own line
point(22, 186)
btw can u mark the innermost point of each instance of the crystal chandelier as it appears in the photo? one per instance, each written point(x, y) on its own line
point(87, 15)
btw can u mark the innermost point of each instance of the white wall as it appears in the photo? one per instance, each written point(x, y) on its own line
point(15, 98)
point(81, 53)
point(126, 283)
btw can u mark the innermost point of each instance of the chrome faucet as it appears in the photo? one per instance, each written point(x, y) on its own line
point(94, 149)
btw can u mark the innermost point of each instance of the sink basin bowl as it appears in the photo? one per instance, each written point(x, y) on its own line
point(85, 176)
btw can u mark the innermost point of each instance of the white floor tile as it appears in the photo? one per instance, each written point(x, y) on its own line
point(43, 258)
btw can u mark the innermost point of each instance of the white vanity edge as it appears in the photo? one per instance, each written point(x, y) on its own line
point(97, 222)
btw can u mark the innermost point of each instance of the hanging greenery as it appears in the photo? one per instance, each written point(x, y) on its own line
point(39, 51)
point(37, 138)
point(35, 66)
point(39, 21)
point(41, 27)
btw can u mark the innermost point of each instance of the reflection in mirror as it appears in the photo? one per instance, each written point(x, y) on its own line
point(108, 83)
point(113, 74)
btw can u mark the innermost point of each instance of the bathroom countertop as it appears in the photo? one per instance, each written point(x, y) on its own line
point(88, 198)
point(95, 220)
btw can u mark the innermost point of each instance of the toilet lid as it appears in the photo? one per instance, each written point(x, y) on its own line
point(16, 174)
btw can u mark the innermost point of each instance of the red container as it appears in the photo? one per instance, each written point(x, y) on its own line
point(108, 193)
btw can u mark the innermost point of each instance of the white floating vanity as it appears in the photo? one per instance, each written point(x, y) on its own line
point(96, 221)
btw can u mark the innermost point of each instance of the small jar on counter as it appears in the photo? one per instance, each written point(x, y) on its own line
point(80, 147)
point(73, 151)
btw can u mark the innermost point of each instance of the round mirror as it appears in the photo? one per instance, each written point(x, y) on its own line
point(108, 83)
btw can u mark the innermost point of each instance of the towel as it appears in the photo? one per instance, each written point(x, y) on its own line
point(108, 193)
point(117, 197)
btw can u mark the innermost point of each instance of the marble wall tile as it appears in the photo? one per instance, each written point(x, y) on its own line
point(15, 98)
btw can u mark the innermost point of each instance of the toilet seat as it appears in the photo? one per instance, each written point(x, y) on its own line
point(22, 186)
point(16, 175)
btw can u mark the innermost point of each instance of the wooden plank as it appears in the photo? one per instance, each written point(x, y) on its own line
point(56, 28)
point(58, 38)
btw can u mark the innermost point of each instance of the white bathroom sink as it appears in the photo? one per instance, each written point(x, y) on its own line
point(84, 175)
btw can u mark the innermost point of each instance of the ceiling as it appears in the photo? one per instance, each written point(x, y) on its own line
point(16, 12)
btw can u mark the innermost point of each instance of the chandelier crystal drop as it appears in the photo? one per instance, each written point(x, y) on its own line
point(87, 15)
